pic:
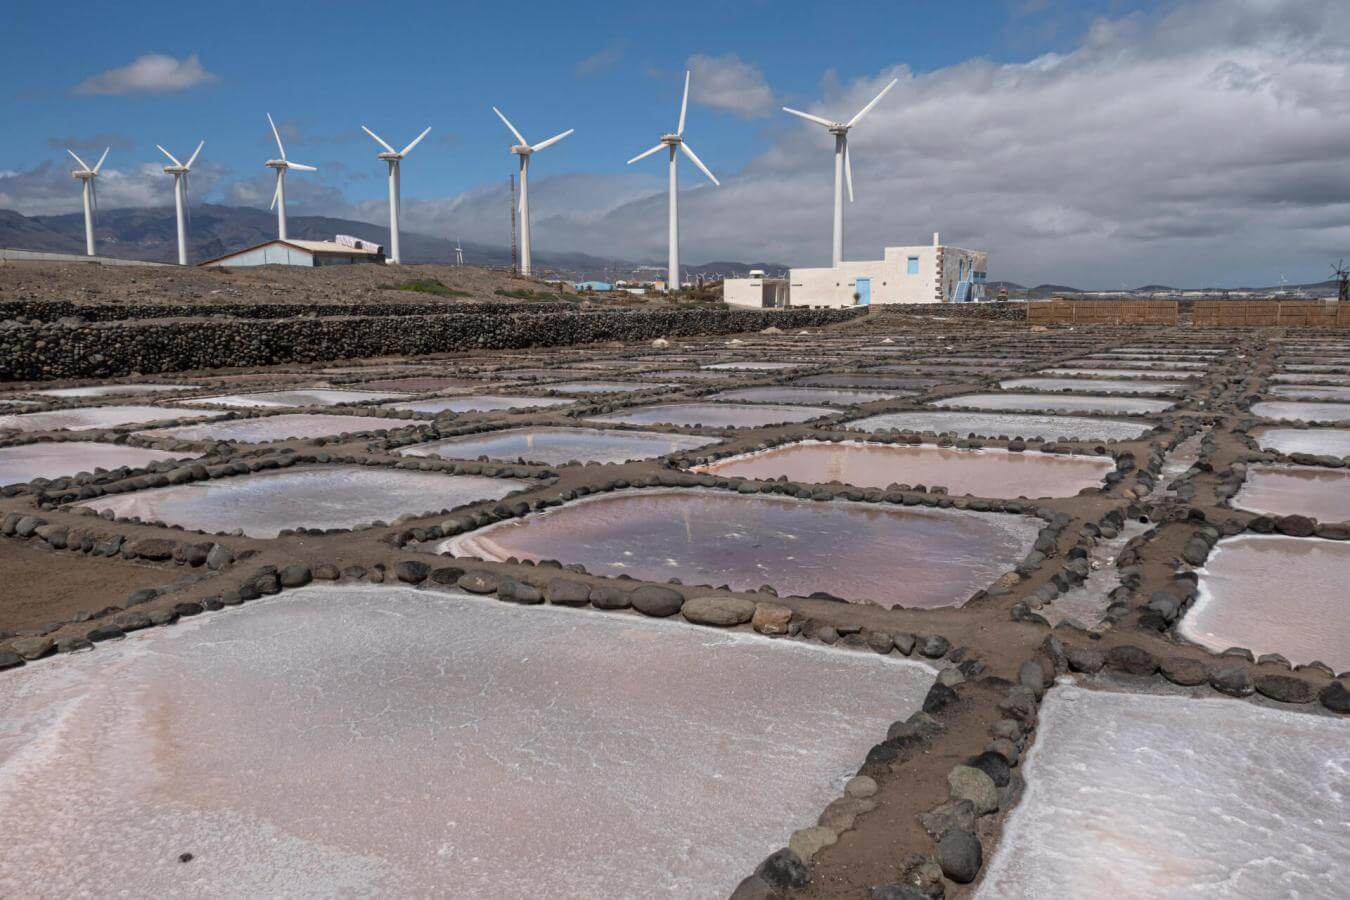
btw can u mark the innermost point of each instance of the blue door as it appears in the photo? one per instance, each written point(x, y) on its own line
point(863, 288)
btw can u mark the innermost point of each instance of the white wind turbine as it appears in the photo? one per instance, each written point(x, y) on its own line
point(181, 201)
point(88, 176)
point(676, 142)
point(843, 171)
point(281, 165)
point(393, 157)
point(523, 150)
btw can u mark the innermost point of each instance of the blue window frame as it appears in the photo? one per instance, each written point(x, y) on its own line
point(913, 265)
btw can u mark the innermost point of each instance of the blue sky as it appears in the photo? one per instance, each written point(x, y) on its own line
point(610, 70)
point(1096, 142)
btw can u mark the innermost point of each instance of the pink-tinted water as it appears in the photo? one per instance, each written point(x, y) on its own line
point(982, 473)
point(478, 403)
point(1055, 403)
point(1296, 411)
point(1317, 441)
point(556, 446)
point(802, 395)
point(1310, 392)
point(1275, 594)
point(1323, 494)
point(911, 556)
point(92, 417)
point(276, 428)
point(298, 397)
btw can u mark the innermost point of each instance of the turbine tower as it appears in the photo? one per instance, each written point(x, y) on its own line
point(281, 165)
point(675, 144)
point(181, 201)
point(523, 150)
point(88, 176)
point(393, 157)
point(843, 171)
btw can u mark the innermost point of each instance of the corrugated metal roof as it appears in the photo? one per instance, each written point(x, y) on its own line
point(327, 248)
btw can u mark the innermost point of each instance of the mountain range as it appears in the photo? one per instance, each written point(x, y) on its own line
point(151, 235)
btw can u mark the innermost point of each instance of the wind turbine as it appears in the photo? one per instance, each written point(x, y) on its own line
point(843, 171)
point(393, 157)
point(88, 176)
point(181, 201)
point(675, 142)
point(281, 165)
point(523, 150)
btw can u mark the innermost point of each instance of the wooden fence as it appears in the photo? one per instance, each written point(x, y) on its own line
point(1102, 312)
point(1320, 313)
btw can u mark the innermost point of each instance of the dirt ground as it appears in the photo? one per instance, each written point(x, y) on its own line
point(40, 587)
point(370, 283)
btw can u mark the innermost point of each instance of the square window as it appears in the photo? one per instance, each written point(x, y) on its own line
point(913, 265)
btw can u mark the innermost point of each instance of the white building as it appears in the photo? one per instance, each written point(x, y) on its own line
point(293, 252)
point(756, 290)
point(928, 273)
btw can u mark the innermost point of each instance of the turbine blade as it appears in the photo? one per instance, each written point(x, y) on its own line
point(193, 158)
point(378, 139)
point(83, 165)
point(684, 104)
point(98, 165)
point(553, 140)
point(417, 140)
point(276, 191)
point(848, 172)
point(507, 122)
point(301, 167)
point(645, 154)
point(693, 157)
point(173, 159)
point(808, 117)
point(875, 100)
point(276, 134)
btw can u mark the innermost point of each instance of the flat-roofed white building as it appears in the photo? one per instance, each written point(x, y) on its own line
point(927, 273)
point(757, 291)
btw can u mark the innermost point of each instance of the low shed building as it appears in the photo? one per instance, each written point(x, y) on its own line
point(294, 252)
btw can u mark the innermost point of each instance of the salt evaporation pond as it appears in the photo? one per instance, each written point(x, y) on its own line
point(423, 384)
point(113, 390)
point(1012, 425)
point(555, 446)
point(261, 504)
point(1274, 594)
point(479, 403)
point(1117, 373)
point(276, 428)
point(1302, 377)
point(1055, 403)
point(1317, 441)
point(870, 382)
point(1294, 411)
point(299, 397)
point(48, 459)
point(753, 365)
point(91, 417)
point(1323, 494)
point(382, 741)
point(801, 395)
point(715, 415)
point(1147, 796)
point(605, 387)
point(1105, 385)
point(983, 473)
point(1098, 359)
point(895, 555)
point(1309, 392)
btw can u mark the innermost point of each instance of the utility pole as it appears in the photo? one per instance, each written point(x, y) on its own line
point(515, 249)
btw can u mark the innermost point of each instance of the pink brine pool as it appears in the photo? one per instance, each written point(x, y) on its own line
point(894, 555)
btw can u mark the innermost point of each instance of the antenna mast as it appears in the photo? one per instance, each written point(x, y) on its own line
point(1342, 281)
point(515, 248)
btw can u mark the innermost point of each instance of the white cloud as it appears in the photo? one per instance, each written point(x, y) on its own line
point(49, 189)
point(730, 84)
point(153, 73)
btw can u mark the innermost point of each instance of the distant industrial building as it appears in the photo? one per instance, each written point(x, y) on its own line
point(596, 286)
point(293, 252)
point(929, 273)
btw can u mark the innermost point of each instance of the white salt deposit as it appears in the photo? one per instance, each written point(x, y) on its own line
point(46, 459)
point(1144, 796)
point(361, 741)
point(91, 417)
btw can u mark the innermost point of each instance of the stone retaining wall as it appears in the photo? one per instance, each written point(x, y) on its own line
point(100, 350)
point(53, 311)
